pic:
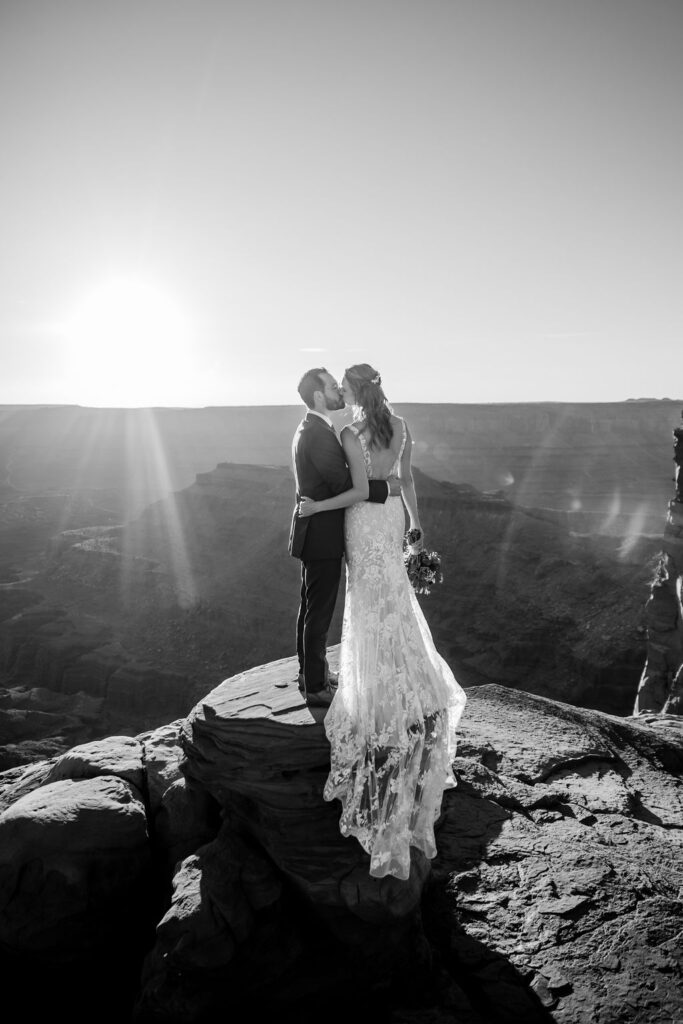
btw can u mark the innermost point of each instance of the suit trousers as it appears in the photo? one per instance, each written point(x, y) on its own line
point(319, 587)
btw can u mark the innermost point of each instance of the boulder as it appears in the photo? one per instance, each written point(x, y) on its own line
point(113, 755)
point(73, 855)
point(76, 905)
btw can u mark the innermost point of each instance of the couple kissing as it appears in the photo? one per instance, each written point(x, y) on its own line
point(392, 714)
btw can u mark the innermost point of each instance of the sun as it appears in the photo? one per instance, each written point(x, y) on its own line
point(128, 344)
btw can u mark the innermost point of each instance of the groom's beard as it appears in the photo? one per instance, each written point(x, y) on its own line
point(333, 405)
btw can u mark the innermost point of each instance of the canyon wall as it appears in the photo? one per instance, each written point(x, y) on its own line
point(134, 570)
point(608, 464)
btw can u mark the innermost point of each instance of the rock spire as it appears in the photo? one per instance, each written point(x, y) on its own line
point(661, 685)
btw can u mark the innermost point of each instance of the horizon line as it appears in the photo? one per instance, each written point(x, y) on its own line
point(298, 405)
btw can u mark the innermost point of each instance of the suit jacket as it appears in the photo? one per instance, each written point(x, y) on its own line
point(321, 471)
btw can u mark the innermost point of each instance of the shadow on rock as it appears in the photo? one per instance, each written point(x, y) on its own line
point(479, 984)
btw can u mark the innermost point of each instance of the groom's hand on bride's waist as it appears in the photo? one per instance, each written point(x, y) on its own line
point(308, 507)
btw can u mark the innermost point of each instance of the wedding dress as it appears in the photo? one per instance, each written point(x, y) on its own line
point(392, 722)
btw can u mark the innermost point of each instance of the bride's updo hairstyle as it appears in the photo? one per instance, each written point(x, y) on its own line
point(366, 384)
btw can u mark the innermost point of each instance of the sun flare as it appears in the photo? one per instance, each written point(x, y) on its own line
point(128, 344)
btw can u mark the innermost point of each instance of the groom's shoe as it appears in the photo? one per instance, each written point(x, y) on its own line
point(332, 681)
point(319, 698)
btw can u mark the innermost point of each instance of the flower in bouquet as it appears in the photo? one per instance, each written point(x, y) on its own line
point(423, 567)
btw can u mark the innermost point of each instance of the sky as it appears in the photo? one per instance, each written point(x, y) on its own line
point(200, 200)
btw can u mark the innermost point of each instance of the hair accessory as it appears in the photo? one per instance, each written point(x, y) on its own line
point(376, 379)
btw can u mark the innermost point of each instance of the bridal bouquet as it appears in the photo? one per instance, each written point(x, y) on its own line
point(423, 567)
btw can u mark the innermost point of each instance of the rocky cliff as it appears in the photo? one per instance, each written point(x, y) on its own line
point(661, 684)
point(194, 873)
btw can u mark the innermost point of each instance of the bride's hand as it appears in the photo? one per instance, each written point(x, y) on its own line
point(307, 507)
point(415, 539)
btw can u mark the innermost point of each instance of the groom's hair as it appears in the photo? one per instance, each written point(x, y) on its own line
point(311, 382)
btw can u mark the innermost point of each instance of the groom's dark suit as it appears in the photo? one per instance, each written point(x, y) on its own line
point(320, 471)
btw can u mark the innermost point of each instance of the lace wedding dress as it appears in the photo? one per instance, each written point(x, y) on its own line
point(392, 722)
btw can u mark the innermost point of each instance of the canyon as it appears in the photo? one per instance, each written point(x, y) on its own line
point(135, 570)
point(609, 461)
point(160, 777)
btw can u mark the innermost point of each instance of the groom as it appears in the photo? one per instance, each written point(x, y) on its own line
point(320, 471)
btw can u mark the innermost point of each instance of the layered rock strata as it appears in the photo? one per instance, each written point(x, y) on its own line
point(68, 678)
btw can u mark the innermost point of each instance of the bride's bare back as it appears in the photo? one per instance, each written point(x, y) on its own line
point(382, 460)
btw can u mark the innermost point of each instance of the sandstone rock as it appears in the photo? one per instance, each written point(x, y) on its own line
point(114, 755)
point(77, 900)
point(182, 818)
point(555, 895)
point(527, 881)
point(667, 724)
point(187, 818)
point(546, 842)
point(73, 860)
point(21, 780)
point(228, 932)
point(262, 755)
point(162, 756)
point(250, 742)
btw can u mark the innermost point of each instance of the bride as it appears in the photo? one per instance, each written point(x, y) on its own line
point(392, 722)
